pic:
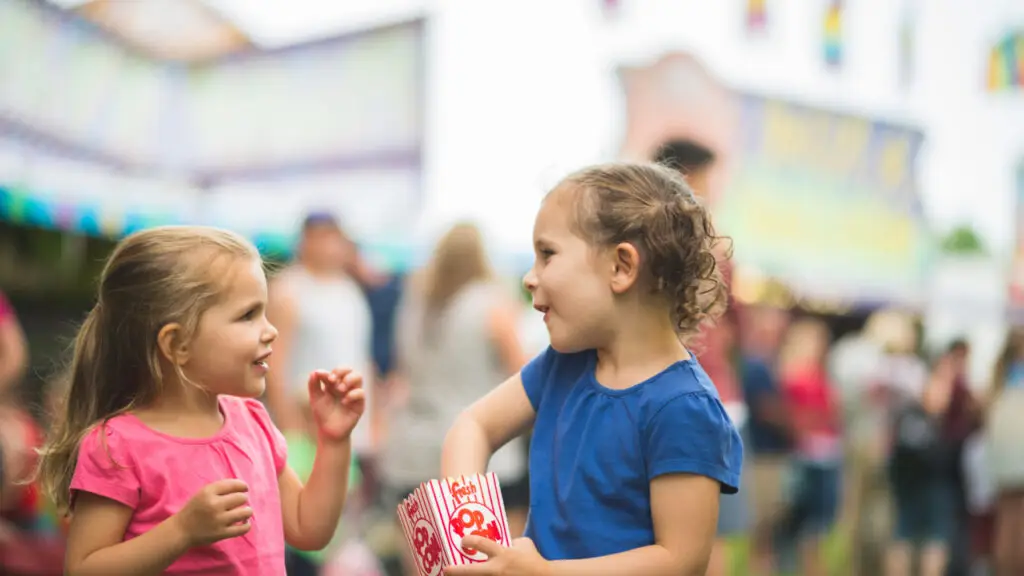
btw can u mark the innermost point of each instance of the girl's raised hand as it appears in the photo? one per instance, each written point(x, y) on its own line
point(337, 399)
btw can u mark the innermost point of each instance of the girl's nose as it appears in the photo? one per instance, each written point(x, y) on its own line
point(530, 280)
point(270, 334)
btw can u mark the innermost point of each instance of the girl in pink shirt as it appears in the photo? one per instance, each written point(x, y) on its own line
point(160, 453)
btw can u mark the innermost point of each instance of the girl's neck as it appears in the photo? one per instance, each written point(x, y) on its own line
point(637, 351)
point(183, 410)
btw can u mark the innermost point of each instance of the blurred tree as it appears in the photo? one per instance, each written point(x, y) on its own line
point(963, 240)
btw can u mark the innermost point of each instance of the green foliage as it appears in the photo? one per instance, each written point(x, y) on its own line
point(962, 240)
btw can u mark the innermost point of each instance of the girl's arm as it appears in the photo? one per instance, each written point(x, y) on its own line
point(96, 542)
point(311, 512)
point(488, 424)
point(684, 508)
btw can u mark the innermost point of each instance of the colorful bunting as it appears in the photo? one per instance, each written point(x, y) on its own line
point(833, 33)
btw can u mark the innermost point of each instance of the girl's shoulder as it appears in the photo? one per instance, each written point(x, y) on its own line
point(114, 439)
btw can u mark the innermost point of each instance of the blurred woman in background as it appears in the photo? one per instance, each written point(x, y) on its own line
point(1006, 454)
point(813, 406)
point(458, 336)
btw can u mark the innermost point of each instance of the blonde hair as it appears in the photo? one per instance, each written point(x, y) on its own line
point(651, 207)
point(458, 260)
point(152, 278)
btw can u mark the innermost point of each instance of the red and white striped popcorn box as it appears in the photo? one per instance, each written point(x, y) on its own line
point(468, 505)
point(422, 535)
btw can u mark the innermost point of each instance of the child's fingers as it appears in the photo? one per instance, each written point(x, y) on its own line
point(237, 516)
point(236, 530)
point(353, 397)
point(232, 501)
point(353, 380)
point(228, 486)
point(341, 373)
point(316, 381)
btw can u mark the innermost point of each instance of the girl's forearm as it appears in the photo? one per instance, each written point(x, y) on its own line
point(649, 560)
point(148, 554)
point(466, 450)
point(323, 497)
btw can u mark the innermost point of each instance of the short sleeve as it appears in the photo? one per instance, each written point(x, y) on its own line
point(536, 374)
point(278, 444)
point(106, 467)
point(692, 434)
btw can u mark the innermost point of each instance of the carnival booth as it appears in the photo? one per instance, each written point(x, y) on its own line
point(822, 202)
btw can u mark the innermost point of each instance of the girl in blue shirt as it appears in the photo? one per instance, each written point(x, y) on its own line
point(631, 444)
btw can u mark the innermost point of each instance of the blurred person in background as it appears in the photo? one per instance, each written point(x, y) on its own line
point(769, 439)
point(961, 419)
point(858, 368)
point(718, 347)
point(458, 335)
point(13, 349)
point(13, 361)
point(323, 319)
point(920, 468)
point(22, 549)
point(1005, 439)
point(813, 490)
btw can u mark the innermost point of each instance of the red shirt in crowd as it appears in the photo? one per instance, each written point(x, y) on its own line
point(814, 411)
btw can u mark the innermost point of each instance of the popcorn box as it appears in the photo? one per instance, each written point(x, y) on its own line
point(459, 507)
point(422, 536)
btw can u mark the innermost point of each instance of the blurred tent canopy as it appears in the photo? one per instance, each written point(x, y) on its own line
point(198, 30)
point(117, 115)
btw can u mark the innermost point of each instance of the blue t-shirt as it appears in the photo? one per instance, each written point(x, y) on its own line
point(759, 386)
point(595, 451)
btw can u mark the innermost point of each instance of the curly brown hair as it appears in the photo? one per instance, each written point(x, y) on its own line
point(651, 207)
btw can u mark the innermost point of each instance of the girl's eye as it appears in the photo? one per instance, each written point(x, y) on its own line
point(546, 253)
point(249, 315)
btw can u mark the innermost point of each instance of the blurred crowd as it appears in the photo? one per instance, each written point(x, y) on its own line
point(866, 454)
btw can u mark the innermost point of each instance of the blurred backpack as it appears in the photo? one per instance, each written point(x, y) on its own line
point(919, 450)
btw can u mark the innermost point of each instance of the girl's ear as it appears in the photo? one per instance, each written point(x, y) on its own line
point(170, 343)
point(625, 267)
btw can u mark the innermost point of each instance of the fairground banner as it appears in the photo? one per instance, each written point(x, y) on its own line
point(827, 202)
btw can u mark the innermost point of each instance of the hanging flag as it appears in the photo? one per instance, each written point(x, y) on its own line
point(757, 16)
point(907, 33)
point(1006, 64)
point(833, 34)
